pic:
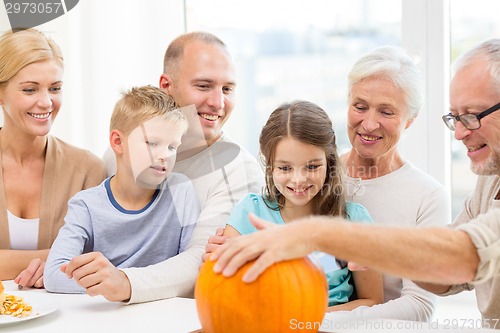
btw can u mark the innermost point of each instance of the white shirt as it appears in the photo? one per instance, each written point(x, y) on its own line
point(23, 232)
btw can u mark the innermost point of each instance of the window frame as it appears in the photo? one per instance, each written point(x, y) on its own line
point(426, 36)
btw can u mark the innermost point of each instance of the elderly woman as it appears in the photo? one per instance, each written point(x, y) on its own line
point(384, 96)
point(39, 173)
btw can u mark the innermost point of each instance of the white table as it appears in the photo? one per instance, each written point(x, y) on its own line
point(82, 313)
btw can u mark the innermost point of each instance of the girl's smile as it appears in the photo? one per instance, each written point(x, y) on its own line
point(299, 172)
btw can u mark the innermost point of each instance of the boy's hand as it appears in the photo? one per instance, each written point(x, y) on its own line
point(98, 276)
point(32, 276)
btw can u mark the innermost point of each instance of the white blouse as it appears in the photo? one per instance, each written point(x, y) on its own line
point(23, 232)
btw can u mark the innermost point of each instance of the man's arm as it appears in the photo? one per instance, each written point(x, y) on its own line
point(412, 302)
point(434, 287)
point(175, 276)
point(465, 216)
point(437, 255)
point(484, 233)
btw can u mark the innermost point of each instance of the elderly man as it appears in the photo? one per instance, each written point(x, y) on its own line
point(443, 260)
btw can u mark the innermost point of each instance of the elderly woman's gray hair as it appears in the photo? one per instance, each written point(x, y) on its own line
point(395, 64)
point(488, 51)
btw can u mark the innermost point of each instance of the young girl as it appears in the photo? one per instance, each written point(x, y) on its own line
point(304, 177)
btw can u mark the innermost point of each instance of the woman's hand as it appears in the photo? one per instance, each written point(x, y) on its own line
point(32, 276)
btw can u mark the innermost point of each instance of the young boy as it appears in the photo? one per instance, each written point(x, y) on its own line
point(142, 215)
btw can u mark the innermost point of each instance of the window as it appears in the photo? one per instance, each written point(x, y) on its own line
point(298, 50)
point(471, 23)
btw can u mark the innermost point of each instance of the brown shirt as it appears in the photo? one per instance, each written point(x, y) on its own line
point(67, 170)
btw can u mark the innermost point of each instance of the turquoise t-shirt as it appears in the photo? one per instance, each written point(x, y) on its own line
point(340, 286)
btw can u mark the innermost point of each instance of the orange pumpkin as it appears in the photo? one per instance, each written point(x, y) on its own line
point(290, 296)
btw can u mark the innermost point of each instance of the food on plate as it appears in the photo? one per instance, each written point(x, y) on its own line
point(2, 296)
point(13, 305)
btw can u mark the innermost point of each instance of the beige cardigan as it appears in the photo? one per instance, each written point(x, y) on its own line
point(67, 170)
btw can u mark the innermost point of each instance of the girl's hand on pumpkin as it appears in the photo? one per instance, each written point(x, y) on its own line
point(214, 242)
point(353, 267)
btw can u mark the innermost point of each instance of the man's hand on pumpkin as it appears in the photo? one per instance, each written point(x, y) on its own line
point(271, 244)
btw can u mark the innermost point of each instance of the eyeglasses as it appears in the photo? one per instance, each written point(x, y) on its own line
point(469, 120)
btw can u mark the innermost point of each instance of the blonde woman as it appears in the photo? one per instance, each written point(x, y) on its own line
point(39, 172)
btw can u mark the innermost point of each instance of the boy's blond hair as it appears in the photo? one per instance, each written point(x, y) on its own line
point(140, 104)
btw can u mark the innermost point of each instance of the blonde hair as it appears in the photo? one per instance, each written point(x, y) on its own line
point(140, 104)
point(19, 49)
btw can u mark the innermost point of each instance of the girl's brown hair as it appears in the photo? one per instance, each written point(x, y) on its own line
point(308, 123)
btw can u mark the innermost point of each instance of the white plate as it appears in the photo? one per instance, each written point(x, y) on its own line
point(41, 303)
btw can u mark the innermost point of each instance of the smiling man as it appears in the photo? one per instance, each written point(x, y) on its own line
point(198, 70)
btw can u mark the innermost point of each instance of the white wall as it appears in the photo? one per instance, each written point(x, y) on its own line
point(108, 46)
point(426, 37)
